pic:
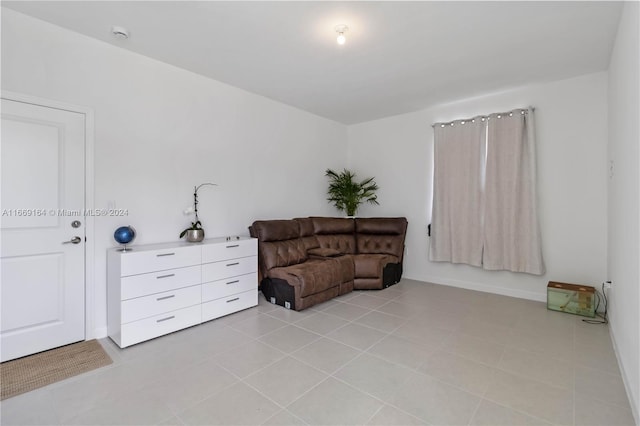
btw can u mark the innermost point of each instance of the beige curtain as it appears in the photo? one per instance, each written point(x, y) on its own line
point(456, 223)
point(511, 229)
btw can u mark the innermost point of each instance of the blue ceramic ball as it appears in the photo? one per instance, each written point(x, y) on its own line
point(124, 234)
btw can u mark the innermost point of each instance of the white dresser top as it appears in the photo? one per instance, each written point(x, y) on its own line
point(175, 244)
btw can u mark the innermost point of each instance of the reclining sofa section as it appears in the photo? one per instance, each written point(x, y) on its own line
point(306, 261)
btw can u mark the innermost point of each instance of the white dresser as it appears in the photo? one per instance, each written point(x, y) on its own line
point(157, 289)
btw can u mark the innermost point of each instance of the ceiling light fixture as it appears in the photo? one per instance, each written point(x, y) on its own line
point(341, 29)
point(120, 33)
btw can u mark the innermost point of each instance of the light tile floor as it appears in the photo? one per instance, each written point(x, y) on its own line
point(415, 353)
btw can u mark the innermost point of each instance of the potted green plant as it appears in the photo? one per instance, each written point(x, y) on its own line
point(347, 194)
point(195, 233)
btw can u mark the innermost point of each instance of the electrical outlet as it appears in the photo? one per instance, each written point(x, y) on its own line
point(607, 285)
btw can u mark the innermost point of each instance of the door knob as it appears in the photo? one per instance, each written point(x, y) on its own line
point(74, 240)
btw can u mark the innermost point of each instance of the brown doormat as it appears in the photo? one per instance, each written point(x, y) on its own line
point(35, 371)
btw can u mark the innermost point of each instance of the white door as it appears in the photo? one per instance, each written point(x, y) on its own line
point(42, 250)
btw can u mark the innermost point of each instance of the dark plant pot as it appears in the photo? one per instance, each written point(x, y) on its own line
point(195, 235)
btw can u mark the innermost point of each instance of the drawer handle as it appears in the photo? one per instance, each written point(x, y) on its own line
point(233, 300)
point(234, 245)
point(233, 282)
point(165, 276)
point(166, 319)
point(233, 264)
point(166, 297)
point(165, 254)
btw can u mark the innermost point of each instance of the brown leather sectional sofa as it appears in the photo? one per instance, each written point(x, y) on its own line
point(306, 261)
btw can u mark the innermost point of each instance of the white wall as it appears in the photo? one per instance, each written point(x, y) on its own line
point(571, 124)
point(624, 199)
point(160, 130)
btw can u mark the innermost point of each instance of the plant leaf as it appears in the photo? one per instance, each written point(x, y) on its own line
point(347, 194)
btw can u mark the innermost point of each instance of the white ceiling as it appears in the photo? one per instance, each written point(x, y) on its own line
point(399, 56)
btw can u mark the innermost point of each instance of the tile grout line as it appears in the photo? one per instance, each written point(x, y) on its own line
point(375, 413)
point(493, 376)
point(287, 411)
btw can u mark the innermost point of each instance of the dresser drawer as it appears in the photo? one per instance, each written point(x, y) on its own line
point(144, 307)
point(229, 250)
point(148, 328)
point(230, 304)
point(217, 289)
point(158, 282)
point(133, 262)
point(229, 268)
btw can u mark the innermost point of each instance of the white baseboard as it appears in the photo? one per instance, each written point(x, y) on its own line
point(520, 294)
point(633, 399)
point(97, 333)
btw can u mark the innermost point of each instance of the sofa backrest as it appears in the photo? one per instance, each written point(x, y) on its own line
point(279, 243)
point(336, 233)
point(381, 235)
point(307, 233)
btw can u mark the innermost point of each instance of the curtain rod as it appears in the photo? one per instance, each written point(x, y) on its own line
point(483, 117)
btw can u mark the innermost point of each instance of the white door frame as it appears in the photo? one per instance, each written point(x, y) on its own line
point(89, 246)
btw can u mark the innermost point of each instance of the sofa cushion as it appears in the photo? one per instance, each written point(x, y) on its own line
point(280, 243)
point(381, 225)
point(381, 235)
point(370, 265)
point(312, 276)
point(275, 230)
point(306, 226)
point(343, 243)
point(323, 252)
point(336, 233)
point(332, 225)
point(346, 268)
point(282, 253)
point(368, 283)
point(306, 233)
point(380, 244)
